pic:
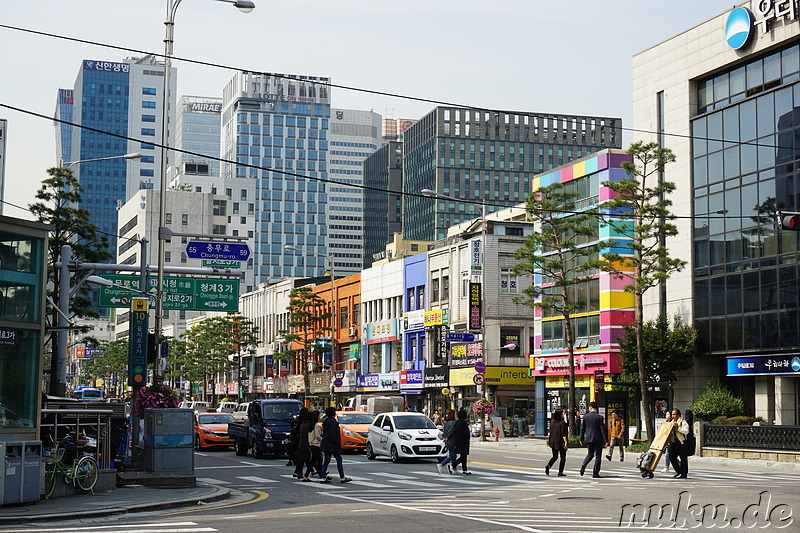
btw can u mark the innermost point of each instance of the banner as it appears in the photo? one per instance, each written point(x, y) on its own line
point(475, 312)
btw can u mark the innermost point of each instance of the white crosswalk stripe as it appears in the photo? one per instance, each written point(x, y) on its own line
point(156, 527)
point(257, 479)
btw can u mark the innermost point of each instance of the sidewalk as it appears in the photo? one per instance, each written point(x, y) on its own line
point(536, 444)
point(119, 501)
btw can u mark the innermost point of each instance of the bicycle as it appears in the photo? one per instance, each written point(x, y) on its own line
point(65, 459)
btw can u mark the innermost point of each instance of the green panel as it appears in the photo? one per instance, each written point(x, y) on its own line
point(218, 295)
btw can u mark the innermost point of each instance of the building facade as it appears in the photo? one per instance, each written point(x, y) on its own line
point(275, 127)
point(726, 103)
point(383, 199)
point(488, 158)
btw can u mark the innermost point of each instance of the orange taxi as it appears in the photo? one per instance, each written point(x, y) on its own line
point(354, 426)
point(211, 430)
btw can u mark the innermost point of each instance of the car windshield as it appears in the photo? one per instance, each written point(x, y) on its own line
point(280, 411)
point(220, 418)
point(353, 418)
point(413, 422)
point(87, 393)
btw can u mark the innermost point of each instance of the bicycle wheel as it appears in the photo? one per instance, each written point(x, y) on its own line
point(86, 472)
point(49, 480)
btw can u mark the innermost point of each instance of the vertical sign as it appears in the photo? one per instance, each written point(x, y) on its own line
point(440, 356)
point(3, 131)
point(476, 257)
point(137, 343)
point(475, 319)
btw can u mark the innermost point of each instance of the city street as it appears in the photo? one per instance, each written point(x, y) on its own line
point(507, 491)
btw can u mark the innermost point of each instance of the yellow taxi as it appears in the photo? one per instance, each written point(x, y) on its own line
point(211, 430)
point(354, 427)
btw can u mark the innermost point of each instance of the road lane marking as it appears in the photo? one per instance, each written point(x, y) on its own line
point(101, 528)
point(260, 496)
point(212, 481)
point(256, 479)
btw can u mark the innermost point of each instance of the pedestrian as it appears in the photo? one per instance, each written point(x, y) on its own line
point(578, 421)
point(616, 435)
point(306, 456)
point(294, 436)
point(678, 451)
point(461, 436)
point(593, 432)
point(331, 446)
point(436, 418)
point(447, 438)
point(666, 458)
point(558, 442)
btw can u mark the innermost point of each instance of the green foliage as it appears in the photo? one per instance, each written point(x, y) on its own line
point(113, 360)
point(666, 351)
point(738, 420)
point(307, 314)
point(715, 401)
point(638, 447)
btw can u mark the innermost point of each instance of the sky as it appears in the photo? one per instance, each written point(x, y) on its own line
point(554, 56)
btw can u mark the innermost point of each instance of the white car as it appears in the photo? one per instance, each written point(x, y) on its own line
point(240, 413)
point(404, 436)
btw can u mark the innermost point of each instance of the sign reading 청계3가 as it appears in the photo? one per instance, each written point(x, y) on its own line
point(743, 23)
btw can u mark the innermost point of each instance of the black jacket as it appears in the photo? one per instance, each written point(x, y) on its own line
point(331, 436)
point(461, 437)
point(304, 451)
point(558, 431)
point(594, 428)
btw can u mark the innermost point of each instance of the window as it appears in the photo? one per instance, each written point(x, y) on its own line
point(508, 281)
point(147, 146)
point(228, 192)
point(343, 316)
point(167, 256)
point(445, 285)
point(168, 218)
point(516, 231)
point(219, 208)
point(183, 257)
point(244, 194)
point(464, 284)
point(148, 105)
point(235, 208)
point(148, 159)
point(184, 219)
point(150, 132)
point(147, 172)
point(421, 297)
point(435, 287)
point(356, 314)
point(415, 247)
point(148, 118)
point(150, 91)
point(410, 299)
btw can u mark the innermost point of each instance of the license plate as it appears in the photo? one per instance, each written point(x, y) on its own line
point(427, 448)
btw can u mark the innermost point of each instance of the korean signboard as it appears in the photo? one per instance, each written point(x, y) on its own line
point(465, 355)
point(437, 317)
point(475, 319)
point(476, 257)
point(410, 379)
point(382, 331)
point(769, 365)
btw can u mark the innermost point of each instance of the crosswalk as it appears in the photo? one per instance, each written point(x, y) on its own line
point(142, 527)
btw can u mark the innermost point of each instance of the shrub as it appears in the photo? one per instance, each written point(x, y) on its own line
point(638, 447)
point(737, 420)
point(717, 400)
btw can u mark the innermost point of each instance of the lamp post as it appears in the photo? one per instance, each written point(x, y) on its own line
point(245, 6)
point(290, 248)
point(133, 155)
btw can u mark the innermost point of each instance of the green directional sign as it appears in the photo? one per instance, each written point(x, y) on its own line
point(188, 294)
point(221, 263)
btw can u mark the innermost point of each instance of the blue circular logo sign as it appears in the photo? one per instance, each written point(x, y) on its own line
point(796, 364)
point(739, 27)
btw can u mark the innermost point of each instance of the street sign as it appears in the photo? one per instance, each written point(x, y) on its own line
point(478, 379)
point(221, 264)
point(181, 293)
point(455, 336)
point(337, 382)
point(480, 367)
point(137, 343)
point(227, 251)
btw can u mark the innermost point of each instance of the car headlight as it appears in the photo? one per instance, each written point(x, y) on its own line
point(267, 433)
point(347, 432)
point(441, 435)
point(207, 432)
point(403, 435)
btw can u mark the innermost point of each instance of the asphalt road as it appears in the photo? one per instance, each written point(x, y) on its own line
point(507, 491)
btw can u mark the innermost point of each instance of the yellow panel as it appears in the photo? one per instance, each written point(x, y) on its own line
point(616, 300)
point(579, 170)
point(562, 382)
point(460, 377)
point(508, 375)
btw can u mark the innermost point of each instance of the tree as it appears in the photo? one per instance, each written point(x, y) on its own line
point(112, 360)
point(717, 400)
point(59, 197)
point(563, 250)
point(642, 225)
point(666, 351)
point(306, 330)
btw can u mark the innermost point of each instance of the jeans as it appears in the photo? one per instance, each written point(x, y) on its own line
point(328, 455)
point(450, 458)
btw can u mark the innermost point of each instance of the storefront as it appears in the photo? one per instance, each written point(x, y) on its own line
point(384, 350)
point(436, 381)
point(344, 385)
point(411, 386)
point(776, 381)
point(319, 388)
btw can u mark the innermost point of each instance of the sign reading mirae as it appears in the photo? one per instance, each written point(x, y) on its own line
point(742, 23)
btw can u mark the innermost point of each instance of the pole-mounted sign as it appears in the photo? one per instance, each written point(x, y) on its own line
point(137, 343)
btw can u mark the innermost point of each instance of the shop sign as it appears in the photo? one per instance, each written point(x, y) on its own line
point(319, 383)
point(382, 331)
point(295, 384)
point(410, 379)
point(277, 385)
point(258, 384)
point(770, 365)
point(440, 355)
point(354, 352)
point(389, 381)
point(465, 355)
point(437, 317)
point(494, 375)
point(436, 377)
point(368, 382)
point(562, 382)
point(414, 320)
point(9, 337)
point(220, 388)
point(349, 380)
point(233, 388)
point(742, 23)
point(543, 364)
point(476, 257)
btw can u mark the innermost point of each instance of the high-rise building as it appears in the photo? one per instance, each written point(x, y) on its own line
point(3, 131)
point(125, 99)
point(64, 110)
point(354, 136)
point(275, 126)
point(197, 130)
point(393, 128)
point(383, 199)
point(488, 157)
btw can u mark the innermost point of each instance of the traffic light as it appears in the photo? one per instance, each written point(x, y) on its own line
point(789, 221)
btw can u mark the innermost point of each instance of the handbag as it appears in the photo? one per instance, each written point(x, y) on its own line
point(691, 444)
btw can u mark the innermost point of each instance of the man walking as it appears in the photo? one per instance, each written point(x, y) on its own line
point(616, 433)
point(593, 432)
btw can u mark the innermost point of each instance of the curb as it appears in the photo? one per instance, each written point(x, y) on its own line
point(219, 493)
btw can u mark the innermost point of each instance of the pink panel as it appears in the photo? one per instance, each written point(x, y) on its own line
point(566, 174)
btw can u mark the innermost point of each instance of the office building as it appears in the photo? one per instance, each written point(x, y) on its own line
point(383, 199)
point(727, 102)
point(393, 128)
point(3, 132)
point(275, 127)
point(354, 136)
point(488, 157)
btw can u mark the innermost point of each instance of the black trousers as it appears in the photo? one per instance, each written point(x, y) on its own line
point(556, 453)
point(596, 451)
point(462, 460)
point(678, 457)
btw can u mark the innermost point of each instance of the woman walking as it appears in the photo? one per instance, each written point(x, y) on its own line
point(461, 445)
point(447, 438)
point(332, 446)
point(306, 455)
point(294, 438)
point(558, 442)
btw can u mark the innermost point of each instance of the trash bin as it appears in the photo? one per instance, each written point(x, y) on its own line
point(168, 441)
point(22, 471)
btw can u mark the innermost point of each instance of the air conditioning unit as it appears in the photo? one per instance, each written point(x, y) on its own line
point(353, 331)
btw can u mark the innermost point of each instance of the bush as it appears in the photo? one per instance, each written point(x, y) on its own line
point(717, 401)
point(638, 447)
point(737, 420)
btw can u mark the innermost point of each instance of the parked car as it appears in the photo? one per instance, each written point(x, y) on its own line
point(354, 427)
point(240, 413)
point(266, 428)
point(404, 435)
point(211, 430)
point(196, 406)
point(226, 407)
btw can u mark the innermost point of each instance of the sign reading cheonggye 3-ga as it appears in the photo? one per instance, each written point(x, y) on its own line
point(742, 23)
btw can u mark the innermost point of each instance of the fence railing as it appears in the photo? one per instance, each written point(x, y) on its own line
point(96, 423)
point(754, 437)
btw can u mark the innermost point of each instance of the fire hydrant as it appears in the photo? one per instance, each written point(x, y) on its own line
point(497, 434)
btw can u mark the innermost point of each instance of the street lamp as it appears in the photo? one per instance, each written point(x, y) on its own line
point(290, 248)
point(245, 6)
point(434, 194)
point(134, 155)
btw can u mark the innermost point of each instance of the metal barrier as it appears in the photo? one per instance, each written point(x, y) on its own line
point(753, 437)
point(57, 423)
